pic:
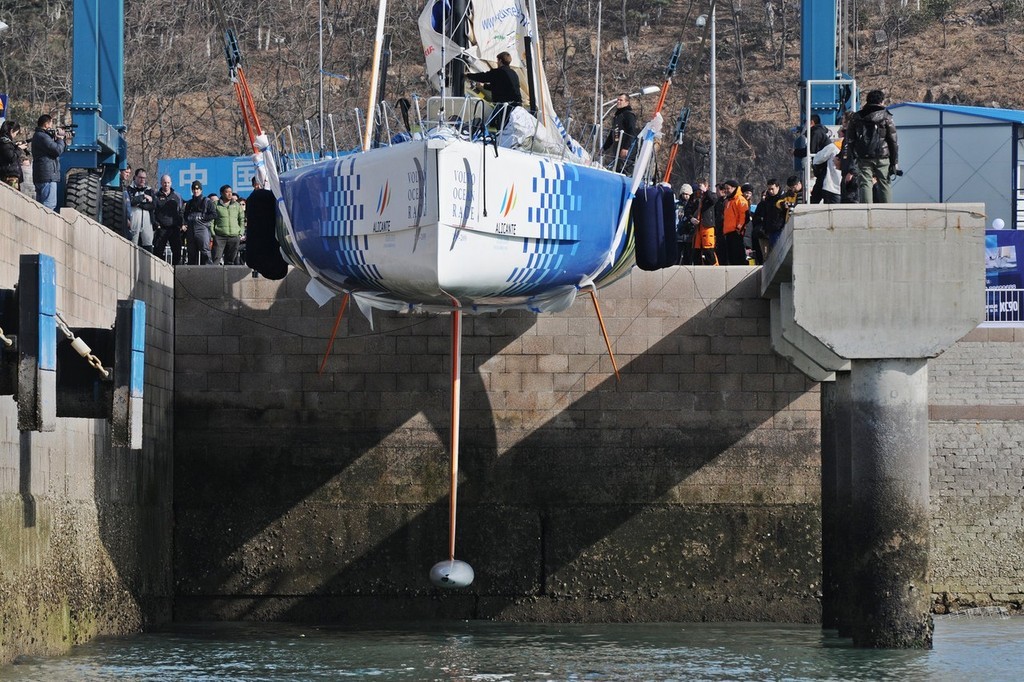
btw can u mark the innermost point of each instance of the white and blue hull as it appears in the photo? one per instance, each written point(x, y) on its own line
point(444, 223)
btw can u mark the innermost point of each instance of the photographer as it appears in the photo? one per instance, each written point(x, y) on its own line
point(12, 155)
point(871, 144)
point(48, 144)
point(140, 216)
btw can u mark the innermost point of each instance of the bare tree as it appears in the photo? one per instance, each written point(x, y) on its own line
point(739, 42)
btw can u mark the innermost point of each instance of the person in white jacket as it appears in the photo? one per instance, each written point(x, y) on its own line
point(831, 185)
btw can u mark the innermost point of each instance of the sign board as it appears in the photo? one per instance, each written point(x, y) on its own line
point(212, 171)
point(1004, 277)
point(3, 107)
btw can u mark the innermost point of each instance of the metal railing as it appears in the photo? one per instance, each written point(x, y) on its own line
point(1004, 306)
point(470, 118)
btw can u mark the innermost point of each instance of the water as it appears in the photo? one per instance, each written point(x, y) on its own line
point(965, 650)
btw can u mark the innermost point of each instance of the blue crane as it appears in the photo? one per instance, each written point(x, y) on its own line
point(825, 90)
point(98, 151)
point(820, 43)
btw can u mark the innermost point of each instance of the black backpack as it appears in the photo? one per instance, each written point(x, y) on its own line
point(868, 138)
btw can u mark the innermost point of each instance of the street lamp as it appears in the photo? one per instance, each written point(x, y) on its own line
point(646, 90)
point(3, 27)
point(713, 176)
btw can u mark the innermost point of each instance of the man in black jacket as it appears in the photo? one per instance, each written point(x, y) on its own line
point(767, 221)
point(503, 83)
point(169, 226)
point(871, 143)
point(622, 135)
point(47, 145)
point(199, 214)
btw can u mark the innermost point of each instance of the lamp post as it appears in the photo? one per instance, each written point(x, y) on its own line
point(713, 162)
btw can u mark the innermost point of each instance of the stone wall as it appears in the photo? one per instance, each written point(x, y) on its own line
point(977, 471)
point(688, 490)
point(85, 539)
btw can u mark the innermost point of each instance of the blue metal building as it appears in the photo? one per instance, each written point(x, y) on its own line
point(955, 153)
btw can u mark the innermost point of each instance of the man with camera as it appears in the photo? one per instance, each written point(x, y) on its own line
point(140, 211)
point(48, 144)
point(871, 144)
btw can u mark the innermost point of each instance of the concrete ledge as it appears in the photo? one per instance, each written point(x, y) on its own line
point(883, 280)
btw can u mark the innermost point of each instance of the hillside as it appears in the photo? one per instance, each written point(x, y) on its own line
point(179, 101)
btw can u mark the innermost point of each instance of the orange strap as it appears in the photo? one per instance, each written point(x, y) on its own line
point(671, 162)
point(248, 107)
point(664, 94)
point(334, 333)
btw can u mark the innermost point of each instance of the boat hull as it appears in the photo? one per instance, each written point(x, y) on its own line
point(443, 222)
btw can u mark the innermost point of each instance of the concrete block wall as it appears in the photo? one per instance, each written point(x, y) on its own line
point(584, 498)
point(85, 539)
point(688, 490)
point(976, 407)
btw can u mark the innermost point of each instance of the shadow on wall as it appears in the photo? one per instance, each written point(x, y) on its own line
point(687, 491)
point(133, 491)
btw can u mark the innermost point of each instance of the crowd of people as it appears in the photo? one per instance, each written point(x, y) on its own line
point(202, 230)
point(728, 226)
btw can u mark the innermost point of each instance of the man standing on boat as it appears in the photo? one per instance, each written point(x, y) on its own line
point(623, 133)
point(503, 83)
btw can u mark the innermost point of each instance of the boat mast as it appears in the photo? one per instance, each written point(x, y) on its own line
point(534, 70)
point(461, 38)
point(598, 95)
point(378, 39)
point(320, 32)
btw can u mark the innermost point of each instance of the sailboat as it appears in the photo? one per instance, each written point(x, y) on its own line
point(465, 214)
point(461, 216)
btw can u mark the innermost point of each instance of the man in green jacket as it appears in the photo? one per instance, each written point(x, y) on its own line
point(228, 227)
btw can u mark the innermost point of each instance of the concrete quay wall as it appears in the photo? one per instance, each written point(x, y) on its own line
point(689, 490)
point(85, 528)
point(976, 412)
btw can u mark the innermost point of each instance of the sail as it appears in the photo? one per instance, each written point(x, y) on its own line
point(497, 26)
point(500, 26)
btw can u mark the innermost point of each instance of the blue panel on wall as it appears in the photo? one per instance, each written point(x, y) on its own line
point(47, 350)
point(138, 349)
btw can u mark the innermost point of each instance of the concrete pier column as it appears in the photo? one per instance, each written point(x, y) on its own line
point(835, 503)
point(889, 515)
point(852, 284)
point(846, 599)
point(829, 507)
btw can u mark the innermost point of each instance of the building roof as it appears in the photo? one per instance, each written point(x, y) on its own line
point(1007, 115)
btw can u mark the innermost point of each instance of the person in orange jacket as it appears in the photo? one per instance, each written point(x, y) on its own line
point(736, 207)
point(704, 220)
